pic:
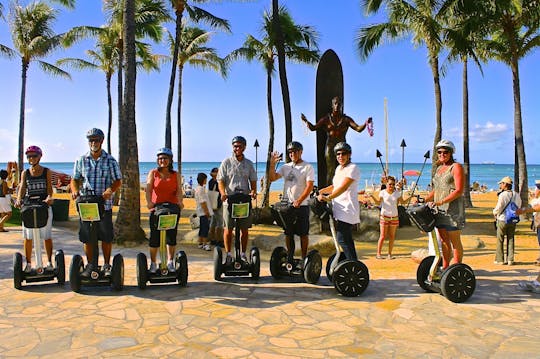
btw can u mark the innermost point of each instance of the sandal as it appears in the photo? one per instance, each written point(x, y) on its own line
point(379, 256)
point(390, 257)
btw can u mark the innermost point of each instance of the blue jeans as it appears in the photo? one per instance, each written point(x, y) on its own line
point(345, 240)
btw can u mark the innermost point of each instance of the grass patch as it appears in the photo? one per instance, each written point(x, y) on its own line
point(15, 219)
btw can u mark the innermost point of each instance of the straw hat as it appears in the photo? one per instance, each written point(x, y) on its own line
point(506, 180)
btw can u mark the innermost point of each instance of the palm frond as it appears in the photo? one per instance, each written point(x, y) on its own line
point(202, 16)
point(53, 70)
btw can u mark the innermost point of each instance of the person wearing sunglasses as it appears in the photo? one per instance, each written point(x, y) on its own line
point(36, 181)
point(447, 195)
point(97, 173)
point(343, 193)
point(163, 186)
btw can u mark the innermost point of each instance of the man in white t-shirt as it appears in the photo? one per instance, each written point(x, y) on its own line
point(298, 177)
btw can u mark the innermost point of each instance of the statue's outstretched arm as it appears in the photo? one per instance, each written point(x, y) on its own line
point(357, 127)
point(309, 125)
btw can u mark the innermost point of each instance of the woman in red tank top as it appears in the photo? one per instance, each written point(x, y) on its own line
point(163, 186)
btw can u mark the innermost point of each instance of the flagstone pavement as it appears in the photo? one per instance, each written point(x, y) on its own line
point(243, 318)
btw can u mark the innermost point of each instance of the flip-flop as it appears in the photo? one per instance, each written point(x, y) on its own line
point(390, 257)
point(379, 257)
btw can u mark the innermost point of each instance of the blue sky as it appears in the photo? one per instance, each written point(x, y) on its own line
point(60, 111)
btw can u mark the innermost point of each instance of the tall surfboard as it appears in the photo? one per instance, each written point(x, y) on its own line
point(328, 84)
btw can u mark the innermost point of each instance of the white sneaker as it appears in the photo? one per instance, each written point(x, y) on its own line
point(49, 267)
point(153, 267)
point(170, 266)
point(200, 245)
point(207, 247)
point(28, 268)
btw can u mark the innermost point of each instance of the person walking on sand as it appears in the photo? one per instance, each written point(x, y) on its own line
point(447, 196)
point(388, 199)
point(343, 193)
point(298, 178)
point(505, 229)
point(204, 211)
point(163, 186)
point(236, 174)
point(36, 181)
point(96, 173)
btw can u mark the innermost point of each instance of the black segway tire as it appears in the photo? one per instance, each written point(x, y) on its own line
point(255, 263)
point(342, 257)
point(312, 267)
point(75, 269)
point(277, 259)
point(422, 273)
point(218, 263)
point(60, 266)
point(117, 273)
point(458, 283)
point(142, 271)
point(351, 278)
point(18, 275)
point(182, 268)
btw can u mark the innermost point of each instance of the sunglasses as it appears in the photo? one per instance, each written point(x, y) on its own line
point(162, 158)
point(90, 140)
point(342, 153)
point(32, 156)
point(237, 146)
point(443, 152)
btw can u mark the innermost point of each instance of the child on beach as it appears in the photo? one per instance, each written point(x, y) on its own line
point(204, 211)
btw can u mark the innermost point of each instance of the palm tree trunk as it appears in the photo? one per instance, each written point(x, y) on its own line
point(120, 84)
point(172, 80)
point(20, 154)
point(521, 183)
point(266, 191)
point(434, 63)
point(128, 221)
point(179, 120)
point(282, 74)
point(109, 106)
point(466, 160)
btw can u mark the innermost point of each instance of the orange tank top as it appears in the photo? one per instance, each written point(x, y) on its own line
point(165, 189)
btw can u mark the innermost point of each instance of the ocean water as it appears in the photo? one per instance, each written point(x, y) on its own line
point(485, 174)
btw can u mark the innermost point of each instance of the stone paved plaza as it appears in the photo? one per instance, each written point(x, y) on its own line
point(241, 318)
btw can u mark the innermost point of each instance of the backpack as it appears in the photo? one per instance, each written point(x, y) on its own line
point(510, 212)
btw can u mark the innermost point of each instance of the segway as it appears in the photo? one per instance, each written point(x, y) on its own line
point(239, 207)
point(283, 263)
point(91, 208)
point(35, 214)
point(350, 277)
point(167, 218)
point(457, 282)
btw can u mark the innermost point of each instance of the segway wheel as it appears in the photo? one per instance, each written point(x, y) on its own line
point(75, 269)
point(312, 267)
point(142, 271)
point(218, 263)
point(17, 270)
point(458, 283)
point(60, 266)
point(182, 268)
point(351, 278)
point(422, 273)
point(277, 259)
point(255, 263)
point(342, 257)
point(117, 273)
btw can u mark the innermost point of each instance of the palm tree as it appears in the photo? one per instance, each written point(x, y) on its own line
point(105, 58)
point(197, 15)
point(300, 46)
point(514, 33)
point(191, 51)
point(463, 38)
point(33, 39)
point(420, 19)
point(128, 220)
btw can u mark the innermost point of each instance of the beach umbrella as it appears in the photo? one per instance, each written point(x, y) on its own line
point(411, 173)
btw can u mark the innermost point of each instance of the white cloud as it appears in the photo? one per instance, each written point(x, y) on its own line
point(489, 132)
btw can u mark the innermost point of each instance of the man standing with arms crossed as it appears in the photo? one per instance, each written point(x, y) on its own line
point(236, 174)
point(298, 178)
point(97, 172)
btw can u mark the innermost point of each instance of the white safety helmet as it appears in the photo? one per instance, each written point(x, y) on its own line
point(446, 144)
